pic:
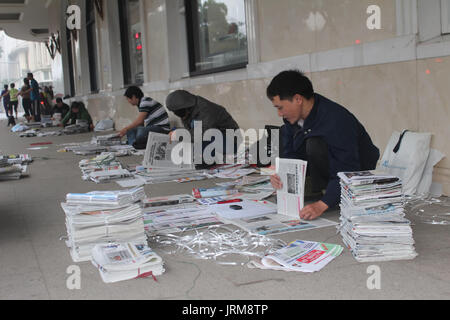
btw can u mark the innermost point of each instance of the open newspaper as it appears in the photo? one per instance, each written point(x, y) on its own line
point(291, 199)
point(160, 151)
point(302, 256)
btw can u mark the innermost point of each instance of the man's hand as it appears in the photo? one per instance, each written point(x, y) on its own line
point(313, 211)
point(123, 132)
point(172, 136)
point(276, 182)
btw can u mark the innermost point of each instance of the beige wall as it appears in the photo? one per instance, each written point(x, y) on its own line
point(292, 27)
point(386, 97)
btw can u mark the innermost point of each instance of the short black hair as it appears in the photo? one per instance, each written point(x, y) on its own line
point(5, 86)
point(134, 91)
point(58, 100)
point(12, 85)
point(289, 83)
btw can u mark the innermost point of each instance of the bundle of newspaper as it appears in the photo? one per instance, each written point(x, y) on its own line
point(103, 168)
point(80, 127)
point(102, 217)
point(11, 172)
point(173, 214)
point(373, 222)
point(108, 140)
point(302, 256)
point(18, 159)
point(124, 261)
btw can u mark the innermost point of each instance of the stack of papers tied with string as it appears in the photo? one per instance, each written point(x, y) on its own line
point(124, 261)
point(102, 217)
point(373, 222)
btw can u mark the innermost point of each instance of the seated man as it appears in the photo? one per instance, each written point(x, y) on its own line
point(152, 118)
point(321, 132)
point(192, 108)
point(77, 112)
point(60, 107)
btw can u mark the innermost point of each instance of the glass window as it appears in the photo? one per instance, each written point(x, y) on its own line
point(131, 37)
point(217, 35)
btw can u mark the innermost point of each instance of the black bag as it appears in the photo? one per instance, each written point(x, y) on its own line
point(11, 121)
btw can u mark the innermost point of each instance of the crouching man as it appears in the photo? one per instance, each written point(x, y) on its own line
point(324, 134)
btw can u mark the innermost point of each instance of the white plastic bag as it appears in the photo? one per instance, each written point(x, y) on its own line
point(104, 125)
point(406, 156)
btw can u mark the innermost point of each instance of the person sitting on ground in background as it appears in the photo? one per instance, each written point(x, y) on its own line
point(60, 107)
point(14, 100)
point(25, 92)
point(321, 132)
point(6, 99)
point(152, 117)
point(190, 109)
point(77, 112)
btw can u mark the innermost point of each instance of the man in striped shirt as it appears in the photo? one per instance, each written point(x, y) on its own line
point(152, 118)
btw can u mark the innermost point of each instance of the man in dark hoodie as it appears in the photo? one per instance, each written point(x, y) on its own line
point(190, 109)
point(321, 132)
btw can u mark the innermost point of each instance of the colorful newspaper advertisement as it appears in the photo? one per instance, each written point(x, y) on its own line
point(303, 256)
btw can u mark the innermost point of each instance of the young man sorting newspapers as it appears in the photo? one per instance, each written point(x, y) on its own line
point(324, 134)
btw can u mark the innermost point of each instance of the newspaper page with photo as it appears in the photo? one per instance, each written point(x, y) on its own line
point(160, 151)
point(291, 199)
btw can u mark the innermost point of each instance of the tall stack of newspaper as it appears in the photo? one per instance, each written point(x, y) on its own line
point(101, 217)
point(373, 222)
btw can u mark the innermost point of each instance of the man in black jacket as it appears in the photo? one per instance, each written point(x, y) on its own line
point(321, 132)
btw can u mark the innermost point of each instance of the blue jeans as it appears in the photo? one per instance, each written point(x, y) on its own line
point(141, 133)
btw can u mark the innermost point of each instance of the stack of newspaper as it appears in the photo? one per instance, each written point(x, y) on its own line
point(11, 172)
point(80, 127)
point(20, 159)
point(124, 261)
point(102, 217)
point(373, 222)
point(175, 214)
point(103, 168)
point(108, 140)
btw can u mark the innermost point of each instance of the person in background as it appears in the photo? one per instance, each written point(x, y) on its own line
point(14, 102)
point(152, 118)
point(35, 98)
point(190, 109)
point(6, 99)
point(77, 112)
point(25, 93)
point(60, 107)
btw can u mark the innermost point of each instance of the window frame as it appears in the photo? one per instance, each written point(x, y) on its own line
point(193, 44)
point(91, 25)
point(125, 46)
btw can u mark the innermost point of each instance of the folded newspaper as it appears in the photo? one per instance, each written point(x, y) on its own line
point(300, 256)
point(124, 261)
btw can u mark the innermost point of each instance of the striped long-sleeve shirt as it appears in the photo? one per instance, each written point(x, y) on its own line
point(157, 114)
